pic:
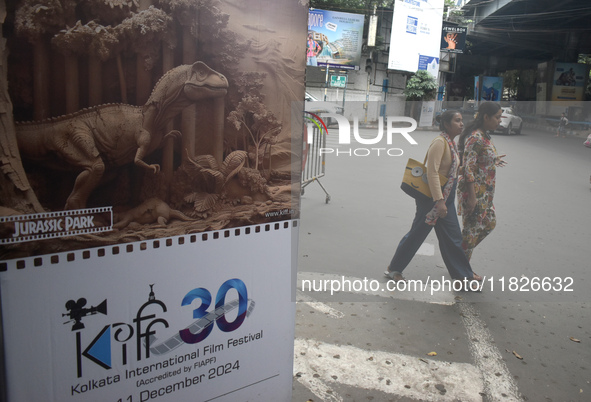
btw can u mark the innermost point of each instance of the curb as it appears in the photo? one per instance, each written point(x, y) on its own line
point(574, 133)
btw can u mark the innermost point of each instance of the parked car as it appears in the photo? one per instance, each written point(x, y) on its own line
point(510, 122)
point(316, 106)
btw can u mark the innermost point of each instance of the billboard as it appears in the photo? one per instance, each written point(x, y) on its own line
point(334, 39)
point(568, 82)
point(415, 40)
point(488, 88)
point(453, 38)
point(148, 214)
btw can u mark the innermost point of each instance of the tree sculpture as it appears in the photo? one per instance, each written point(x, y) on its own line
point(37, 20)
point(17, 192)
point(260, 125)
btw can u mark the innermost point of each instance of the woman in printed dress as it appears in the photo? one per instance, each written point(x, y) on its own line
point(477, 176)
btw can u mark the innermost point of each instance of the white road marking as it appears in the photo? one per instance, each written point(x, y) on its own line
point(321, 307)
point(498, 382)
point(317, 364)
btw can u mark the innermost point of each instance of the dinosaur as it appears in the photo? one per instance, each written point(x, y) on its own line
point(116, 134)
point(150, 211)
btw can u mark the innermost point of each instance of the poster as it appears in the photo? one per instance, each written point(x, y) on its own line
point(189, 321)
point(416, 35)
point(147, 215)
point(427, 113)
point(453, 38)
point(429, 64)
point(334, 39)
point(569, 82)
point(489, 88)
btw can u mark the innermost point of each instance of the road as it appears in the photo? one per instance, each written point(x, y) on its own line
point(523, 343)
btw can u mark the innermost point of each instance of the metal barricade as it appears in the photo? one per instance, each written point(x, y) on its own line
point(313, 159)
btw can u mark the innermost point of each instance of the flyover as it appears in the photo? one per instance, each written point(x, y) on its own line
point(539, 30)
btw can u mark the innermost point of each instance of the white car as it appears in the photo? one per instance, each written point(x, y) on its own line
point(316, 106)
point(510, 122)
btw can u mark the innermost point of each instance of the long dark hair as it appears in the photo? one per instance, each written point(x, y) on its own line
point(485, 109)
point(446, 117)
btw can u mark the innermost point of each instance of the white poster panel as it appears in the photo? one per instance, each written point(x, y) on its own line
point(192, 318)
point(427, 113)
point(416, 35)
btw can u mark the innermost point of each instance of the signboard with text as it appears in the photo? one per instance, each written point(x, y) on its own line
point(568, 82)
point(453, 38)
point(415, 40)
point(334, 39)
point(338, 81)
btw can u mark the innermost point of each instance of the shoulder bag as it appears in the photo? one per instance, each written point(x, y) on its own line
point(414, 181)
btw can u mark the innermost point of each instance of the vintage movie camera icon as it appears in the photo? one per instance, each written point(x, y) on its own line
point(77, 311)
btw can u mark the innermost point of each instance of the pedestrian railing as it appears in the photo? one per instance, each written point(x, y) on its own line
point(313, 157)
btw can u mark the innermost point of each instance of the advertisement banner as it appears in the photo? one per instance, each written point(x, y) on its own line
point(453, 38)
point(569, 81)
point(150, 200)
point(334, 39)
point(416, 28)
point(427, 113)
point(488, 88)
point(189, 320)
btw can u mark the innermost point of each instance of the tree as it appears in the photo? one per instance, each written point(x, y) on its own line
point(453, 13)
point(586, 59)
point(518, 84)
point(421, 86)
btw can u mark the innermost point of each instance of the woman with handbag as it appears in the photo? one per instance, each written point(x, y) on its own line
point(476, 182)
point(440, 211)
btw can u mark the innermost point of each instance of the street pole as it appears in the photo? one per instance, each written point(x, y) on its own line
point(345, 89)
point(367, 96)
point(326, 83)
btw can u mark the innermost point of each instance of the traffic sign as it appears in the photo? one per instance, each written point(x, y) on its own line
point(338, 81)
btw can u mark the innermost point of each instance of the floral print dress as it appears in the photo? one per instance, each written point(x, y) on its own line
point(478, 166)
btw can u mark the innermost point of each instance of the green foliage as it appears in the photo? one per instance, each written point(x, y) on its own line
point(452, 13)
point(517, 82)
point(586, 59)
point(510, 82)
point(421, 86)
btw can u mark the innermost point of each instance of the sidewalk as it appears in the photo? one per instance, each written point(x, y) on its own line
point(535, 126)
point(545, 127)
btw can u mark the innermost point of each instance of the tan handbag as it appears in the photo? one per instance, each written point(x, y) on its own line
point(414, 181)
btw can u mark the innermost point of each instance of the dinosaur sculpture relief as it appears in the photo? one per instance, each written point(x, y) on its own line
point(150, 211)
point(116, 134)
